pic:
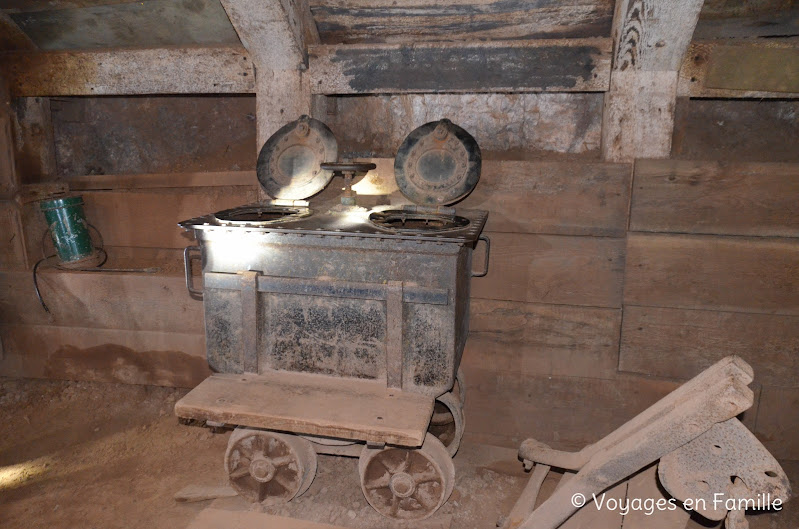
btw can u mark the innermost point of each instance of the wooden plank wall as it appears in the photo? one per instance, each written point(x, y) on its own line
point(608, 287)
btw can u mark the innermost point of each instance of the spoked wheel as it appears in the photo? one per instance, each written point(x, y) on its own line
point(269, 467)
point(448, 422)
point(407, 484)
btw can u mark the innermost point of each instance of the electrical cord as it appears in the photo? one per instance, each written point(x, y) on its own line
point(97, 268)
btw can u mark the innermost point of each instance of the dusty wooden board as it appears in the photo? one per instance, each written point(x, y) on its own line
point(168, 180)
point(761, 69)
point(552, 197)
point(127, 24)
point(210, 70)
point(505, 408)
point(12, 37)
point(9, 180)
point(312, 404)
point(541, 340)
point(584, 271)
point(778, 423)
point(419, 20)
point(704, 54)
point(677, 343)
point(715, 197)
point(773, 21)
point(12, 245)
point(704, 272)
point(211, 518)
point(149, 218)
point(736, 130)
point(34, 147)
point(580, 65)
point(146, 302)
point(103, 355)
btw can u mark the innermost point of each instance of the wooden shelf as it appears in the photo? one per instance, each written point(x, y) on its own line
point(311, 404)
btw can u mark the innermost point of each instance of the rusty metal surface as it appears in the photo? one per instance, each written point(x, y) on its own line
point(437, 164)
point(269, 467)
point(728, 459)
point(289, 162)
point(407, 484)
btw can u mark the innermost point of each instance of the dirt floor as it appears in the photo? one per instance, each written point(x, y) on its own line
point(93, 455)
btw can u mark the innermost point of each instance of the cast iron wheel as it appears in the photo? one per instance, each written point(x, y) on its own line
point(268, 467)
point(407, 484)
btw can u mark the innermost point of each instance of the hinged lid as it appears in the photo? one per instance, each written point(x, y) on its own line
point(288, 165)
point(437, 164)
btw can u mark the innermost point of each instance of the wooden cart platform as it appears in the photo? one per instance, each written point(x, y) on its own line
point(362, 410)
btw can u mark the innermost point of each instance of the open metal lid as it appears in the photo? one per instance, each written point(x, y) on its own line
point(289, 163)
point(437, 164)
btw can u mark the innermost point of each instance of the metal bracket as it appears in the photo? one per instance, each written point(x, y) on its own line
point(189, 253)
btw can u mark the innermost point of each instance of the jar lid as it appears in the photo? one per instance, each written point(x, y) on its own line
point(289, 163)
point(437, 164)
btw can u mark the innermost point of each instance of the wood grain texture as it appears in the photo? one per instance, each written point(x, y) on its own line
point(553, 269)
point(12, 243)
point(564, 412)
point(677, 343)
point(638, 118)
point(553, 197)
point(149, 218)
point(541, 340)
point(103, 355)
point(580, 65)
point(311, 404)
point(778, 423)
point(715, 197)
point(209, 70)
point(352, 21)
point(704, 56)
point(34, 149)
point(719, 273)
point(653, 35)
point(135, 302)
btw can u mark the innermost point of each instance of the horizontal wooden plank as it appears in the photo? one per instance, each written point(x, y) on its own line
point(773, 21)
point(778, 423)
point(364, 410)
point(564, 412)
point(211, 70)
point(149, 218)
point(715, 197)
point(553, 197)
point(707, 59)
point(211, 518)
point(145, 302)
point(417, 21)
point(584, 271)
point(721, 273)
point(103, 355)
point(678, 343)
point(163, 180)
point(579, 65)
point(540, 340)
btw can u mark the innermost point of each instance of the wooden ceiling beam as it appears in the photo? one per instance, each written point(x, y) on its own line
point(560, 65)
point(205, 70)
point(651, 38)
point(11, 37)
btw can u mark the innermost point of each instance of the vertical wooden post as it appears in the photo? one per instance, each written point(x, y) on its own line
point(650, 38)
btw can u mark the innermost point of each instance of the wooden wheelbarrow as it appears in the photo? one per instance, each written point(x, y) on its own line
point(708, 460)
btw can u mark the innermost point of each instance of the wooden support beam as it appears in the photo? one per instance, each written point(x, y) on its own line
point(762, 68)
point(11, 37)
point(651, 38)
point(211, 70)
point(563, 65)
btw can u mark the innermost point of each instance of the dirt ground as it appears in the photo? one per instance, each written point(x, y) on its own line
point(94, 455)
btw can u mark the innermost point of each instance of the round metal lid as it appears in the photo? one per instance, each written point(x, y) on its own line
point(288, 165)
point(437, 164)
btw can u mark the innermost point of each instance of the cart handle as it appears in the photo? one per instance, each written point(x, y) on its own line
point(485, 264)
point(189, 253)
